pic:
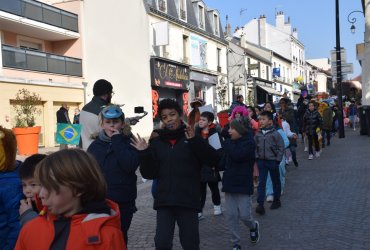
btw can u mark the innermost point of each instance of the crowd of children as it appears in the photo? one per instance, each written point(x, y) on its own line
point(74, 199)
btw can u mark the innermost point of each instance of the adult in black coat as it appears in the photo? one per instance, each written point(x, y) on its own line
point(175, 157)
point(63, 117)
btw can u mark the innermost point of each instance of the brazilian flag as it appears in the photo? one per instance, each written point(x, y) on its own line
point(68, 133)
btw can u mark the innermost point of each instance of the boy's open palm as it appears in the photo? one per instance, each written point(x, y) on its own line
point(139, 143)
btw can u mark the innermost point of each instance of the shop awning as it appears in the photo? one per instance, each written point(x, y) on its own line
point(270, 90)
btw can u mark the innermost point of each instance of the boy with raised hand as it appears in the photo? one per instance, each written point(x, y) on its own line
point(269, 153)
point(118, 161)
point(174, 157)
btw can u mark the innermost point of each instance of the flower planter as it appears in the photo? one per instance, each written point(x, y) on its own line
point(223, 118)
point(27, 140)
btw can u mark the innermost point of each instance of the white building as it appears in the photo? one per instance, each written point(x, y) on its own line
point(281, 39)
point(186, 36)
point(250, 71)
point(319, 75)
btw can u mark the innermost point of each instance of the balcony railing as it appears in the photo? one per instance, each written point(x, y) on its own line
point(40, 61)
point(41, 12)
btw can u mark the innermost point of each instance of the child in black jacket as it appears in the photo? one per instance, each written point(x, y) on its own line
point(175, 157)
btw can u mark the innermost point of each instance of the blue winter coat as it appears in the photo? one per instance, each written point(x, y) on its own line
point(238, 164)
point(118, 161)
point(10, 196)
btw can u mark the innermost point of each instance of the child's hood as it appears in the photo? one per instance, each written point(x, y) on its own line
point(94, 217)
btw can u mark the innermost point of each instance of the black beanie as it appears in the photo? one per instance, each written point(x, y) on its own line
point(240, 124)
point(102, 87)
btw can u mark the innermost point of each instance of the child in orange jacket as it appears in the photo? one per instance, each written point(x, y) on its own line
point(78, 216)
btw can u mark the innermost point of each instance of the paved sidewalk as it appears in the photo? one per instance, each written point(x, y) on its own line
point(325, 205)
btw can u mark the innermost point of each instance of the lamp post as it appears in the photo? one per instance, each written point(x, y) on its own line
point(353, 20)
point(339, 72)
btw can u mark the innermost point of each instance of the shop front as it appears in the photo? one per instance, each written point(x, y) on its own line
point(169, 79)
point(202, 85)
point(266, 92)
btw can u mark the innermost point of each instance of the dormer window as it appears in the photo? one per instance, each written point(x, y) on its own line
point(182, 10)
point(201, 16)
point(216, 26)
point(162, 5)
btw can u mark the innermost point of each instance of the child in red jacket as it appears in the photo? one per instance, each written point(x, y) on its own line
point(73, 193)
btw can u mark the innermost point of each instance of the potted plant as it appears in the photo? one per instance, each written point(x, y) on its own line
point(26, 106)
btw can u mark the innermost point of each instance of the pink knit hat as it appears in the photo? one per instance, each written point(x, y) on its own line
point(243, 111)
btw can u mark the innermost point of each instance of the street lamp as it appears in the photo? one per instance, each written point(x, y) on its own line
point(339, 72)
point(353, 20)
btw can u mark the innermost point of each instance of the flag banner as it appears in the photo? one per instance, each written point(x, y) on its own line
point(68, 134)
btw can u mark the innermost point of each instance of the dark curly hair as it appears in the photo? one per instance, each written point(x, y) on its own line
point(169, 104)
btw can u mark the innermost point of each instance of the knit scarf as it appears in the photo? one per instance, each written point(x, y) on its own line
point(168, 134)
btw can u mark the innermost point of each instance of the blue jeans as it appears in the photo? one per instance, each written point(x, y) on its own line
point(282, 171)
point(265, 167)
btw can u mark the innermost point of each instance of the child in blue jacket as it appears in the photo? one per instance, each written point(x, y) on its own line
point(10, 190)
point(118, 161)
point(237, 180)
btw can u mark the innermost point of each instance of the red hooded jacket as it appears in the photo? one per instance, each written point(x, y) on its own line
point(87, 231)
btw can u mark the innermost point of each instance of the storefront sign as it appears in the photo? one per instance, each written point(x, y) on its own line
point(204, 78)
point(168, 75)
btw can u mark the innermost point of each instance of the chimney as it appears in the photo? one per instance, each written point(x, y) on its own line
point(280, 20)
point(295, 33)
point(228, 30)
point(288, 27)
point(262, 31)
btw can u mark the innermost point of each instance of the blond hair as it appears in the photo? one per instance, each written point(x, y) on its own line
point(75, 169)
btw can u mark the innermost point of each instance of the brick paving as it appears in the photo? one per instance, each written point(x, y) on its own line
point(326, 205)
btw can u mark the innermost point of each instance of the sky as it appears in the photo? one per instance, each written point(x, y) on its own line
point(314, 20)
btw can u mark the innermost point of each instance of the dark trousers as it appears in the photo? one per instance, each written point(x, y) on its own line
point(126, 218)
point(216, 199)
point(187, 221)
point(313, 139)
point(293, 151)
point(265, 167)
point(327, 133)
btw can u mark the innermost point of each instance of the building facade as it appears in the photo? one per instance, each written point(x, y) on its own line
point(41, 52)
point(188, 52)
point(282, 40)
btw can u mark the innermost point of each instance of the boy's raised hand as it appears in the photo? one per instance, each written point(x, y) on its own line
point(139, 143)
point(189, 132)
point(25, 205)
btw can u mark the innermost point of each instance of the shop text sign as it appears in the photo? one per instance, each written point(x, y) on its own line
point(169, 75)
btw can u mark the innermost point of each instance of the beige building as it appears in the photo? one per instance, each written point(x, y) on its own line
point(40, 51)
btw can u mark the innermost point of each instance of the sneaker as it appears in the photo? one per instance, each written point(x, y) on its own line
point(296, 163)
point(255, 233)
point(260, 210)
point(317, 154)
point(237, 247)
point(305, 149)
point(270, 198)
point(217, 210)
point(310, 157)
point(200, 216)
point(275, 204)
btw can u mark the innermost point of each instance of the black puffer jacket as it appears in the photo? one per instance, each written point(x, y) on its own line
point(311, 121)
point(177, 168)
point(210, 173)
